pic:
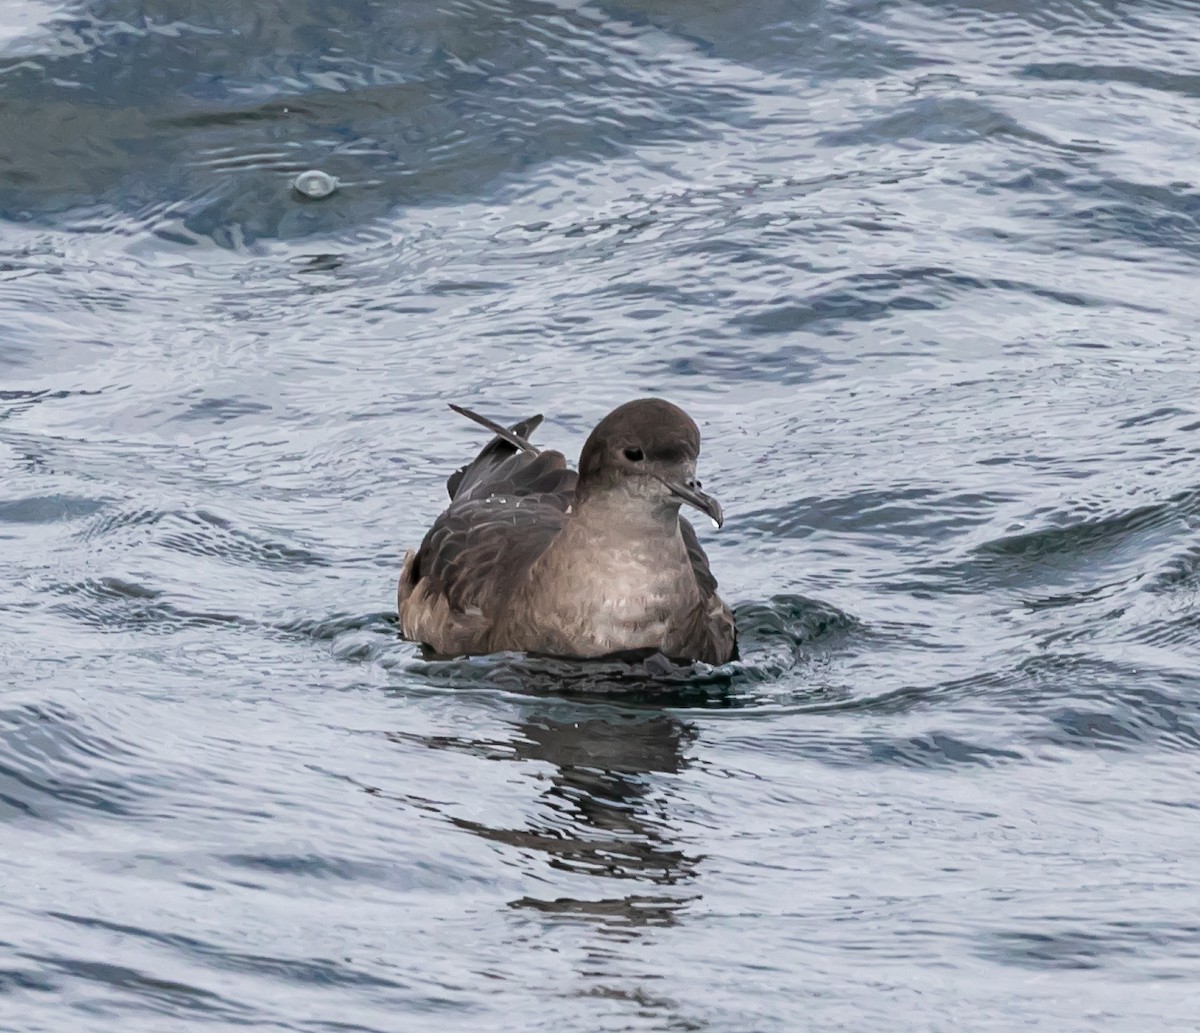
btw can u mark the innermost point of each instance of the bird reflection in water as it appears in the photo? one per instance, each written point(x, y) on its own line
point(602, 815)
point(602, 812)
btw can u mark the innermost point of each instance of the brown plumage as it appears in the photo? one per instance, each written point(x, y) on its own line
point(532, 556)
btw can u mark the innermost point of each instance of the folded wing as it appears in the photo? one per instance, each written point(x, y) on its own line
point(506, 506)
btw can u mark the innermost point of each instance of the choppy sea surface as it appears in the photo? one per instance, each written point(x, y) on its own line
point(925, 273)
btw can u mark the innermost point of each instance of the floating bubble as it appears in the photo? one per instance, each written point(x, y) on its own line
point(315, 184)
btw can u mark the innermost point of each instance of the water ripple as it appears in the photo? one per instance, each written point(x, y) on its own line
point(922, 270)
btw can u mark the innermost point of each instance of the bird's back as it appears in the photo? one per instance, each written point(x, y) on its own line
point(506, 507)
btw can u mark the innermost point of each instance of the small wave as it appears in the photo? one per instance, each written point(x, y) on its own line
point(53, 764)
point(198, 532)
point(1069, 943)
point(113, 604)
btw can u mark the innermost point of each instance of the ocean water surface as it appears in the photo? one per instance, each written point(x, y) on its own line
point(925, 273)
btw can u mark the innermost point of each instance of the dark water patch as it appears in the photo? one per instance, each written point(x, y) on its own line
point(87, 460)
point(1175, 631)
point(781, 637)
point(321, 867)
point(15, 402)
point(1081, 596)
point(912, 694)
point(808, 41)
point(1073, 701)
point(1147, 78)
point(116, 520)
point(939, 749)
point(47, 509)
point(200, 533)
point(1123, 211)
point(790, 363)
point(1079, 539)
point(1082, 546)
point(16, 980)
point(903, 511)
point(1083, 944)
point(1136, 719)
point(220, 411)
point(1181, 573)
point(208, 534)
point(53, 767)
point(953, 283)
point(796, 619)
point(1091, 727)
point(659, 295)
point(940, 120)
point(1067, 950)
point(364, 638)
point(1088, 702)
point(474, 103)
point(272, 112)
point(335, 1026)
point(1072, 18)
point(933, 751)
point(1157, 415)
point(304, 971)
point(875, 296)
point(871, 301)
point(117, 606)
point(153, 993)
point(381, 624)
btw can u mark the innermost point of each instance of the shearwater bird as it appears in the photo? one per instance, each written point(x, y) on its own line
point(533, 557)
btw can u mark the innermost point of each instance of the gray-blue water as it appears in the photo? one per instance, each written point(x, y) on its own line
point(926, 274)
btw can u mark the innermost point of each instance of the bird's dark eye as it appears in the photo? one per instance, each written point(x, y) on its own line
point(634, 455)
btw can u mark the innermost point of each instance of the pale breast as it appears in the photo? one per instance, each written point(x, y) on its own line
point(623, 601)
point(635, 610)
